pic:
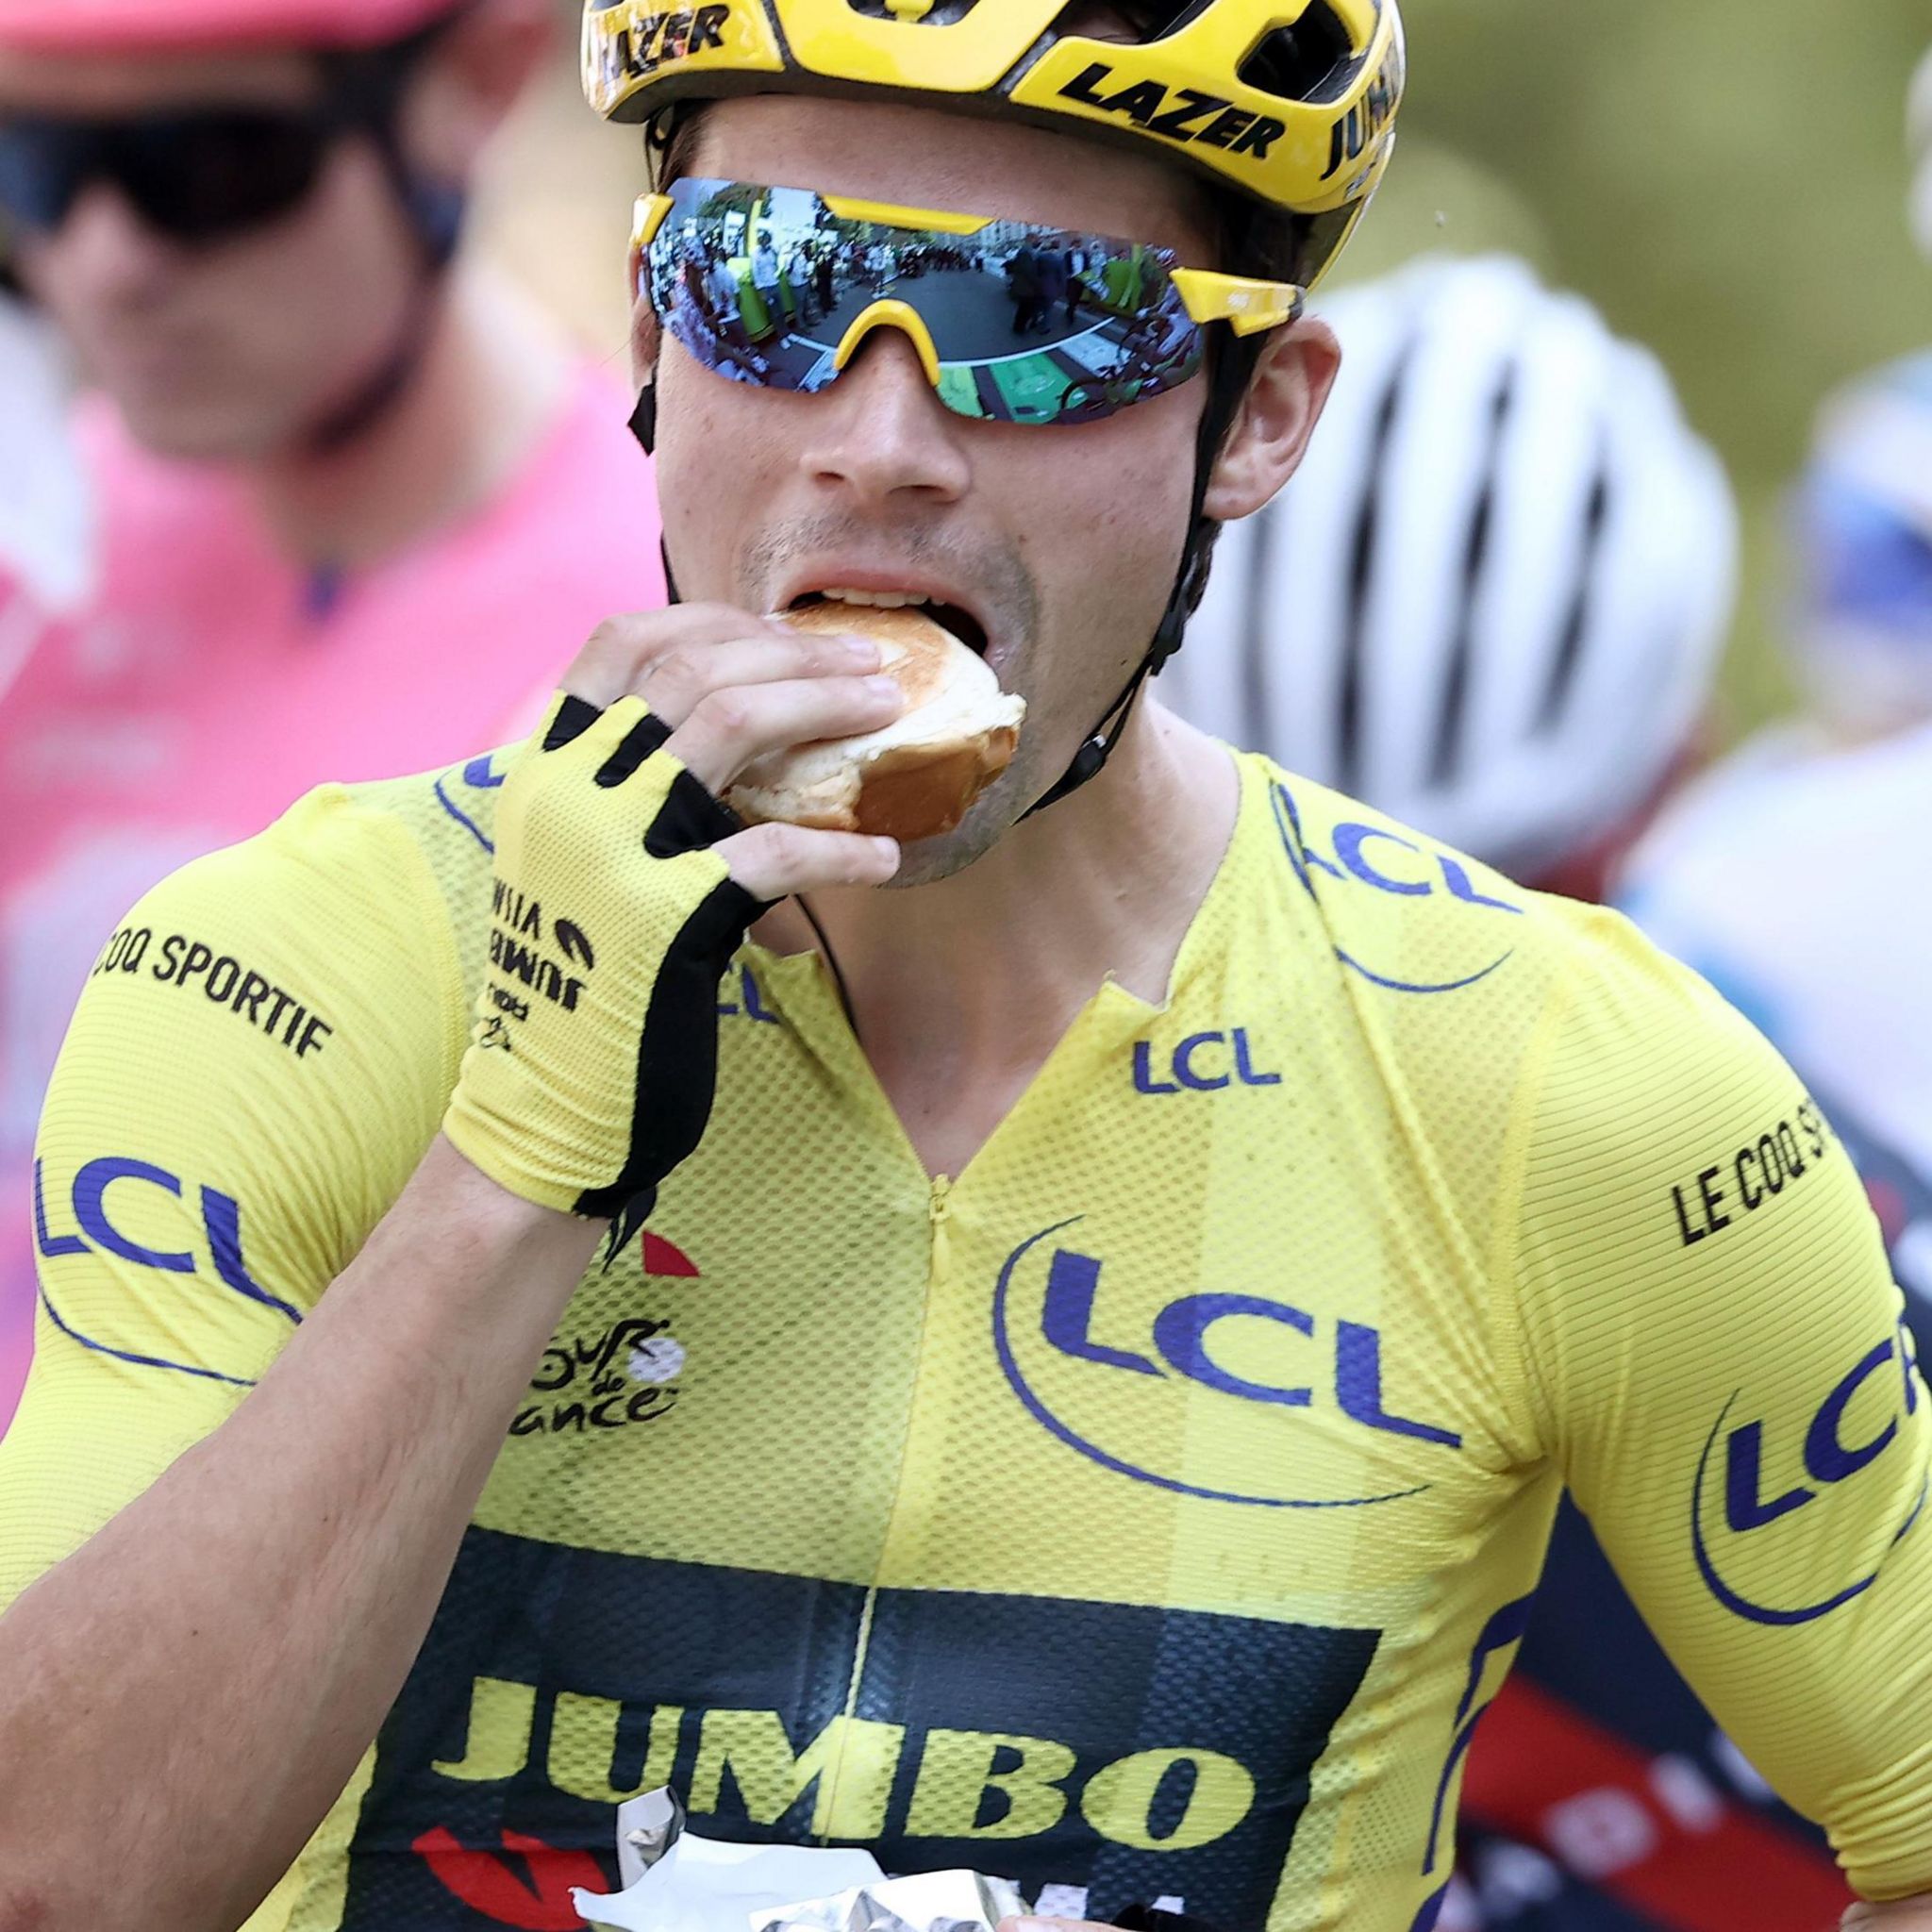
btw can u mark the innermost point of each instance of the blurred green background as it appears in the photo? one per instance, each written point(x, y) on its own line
point(1726, 178)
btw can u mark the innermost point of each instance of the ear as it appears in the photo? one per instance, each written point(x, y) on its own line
point(472, 81)
point(1283, 403)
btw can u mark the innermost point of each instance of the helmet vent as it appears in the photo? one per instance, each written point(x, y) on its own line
point(1576, 625)
point(915, 12)
point(1452, 721)
point(1144, 20)
point(1313, 61)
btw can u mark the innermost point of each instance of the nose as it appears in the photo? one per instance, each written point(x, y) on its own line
point(103, 250)
point(879, 432)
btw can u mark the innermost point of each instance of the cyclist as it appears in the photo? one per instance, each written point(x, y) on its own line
point(1588, 533)
point(1123, 1306)
point(352, 499)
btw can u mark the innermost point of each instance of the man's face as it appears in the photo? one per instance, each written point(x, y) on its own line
point(1064, 542)
point(226, 349)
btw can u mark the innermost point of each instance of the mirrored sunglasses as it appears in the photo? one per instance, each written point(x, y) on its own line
point(1013, 321)
point(197, 176)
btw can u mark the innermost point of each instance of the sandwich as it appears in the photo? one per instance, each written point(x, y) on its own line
point(914, 778)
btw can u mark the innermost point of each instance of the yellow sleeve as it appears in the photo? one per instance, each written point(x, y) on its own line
point(1717, 1351)
point(257, 1063)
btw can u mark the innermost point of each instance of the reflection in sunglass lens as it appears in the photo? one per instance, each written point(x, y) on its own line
point(1028, 325)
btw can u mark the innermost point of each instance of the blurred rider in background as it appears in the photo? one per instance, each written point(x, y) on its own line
point(1493, 603)
point(352, 499)
point(1791, 876)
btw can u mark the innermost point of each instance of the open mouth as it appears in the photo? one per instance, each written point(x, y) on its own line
point(952, 617)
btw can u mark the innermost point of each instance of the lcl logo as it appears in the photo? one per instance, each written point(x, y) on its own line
point(1202, 1063)
point(1831, 1451)
point(1189, 1340)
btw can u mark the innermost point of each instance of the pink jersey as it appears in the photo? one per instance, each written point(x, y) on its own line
point(208, 682)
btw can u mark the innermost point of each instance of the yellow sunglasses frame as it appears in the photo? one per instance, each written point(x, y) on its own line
point(1248, 306)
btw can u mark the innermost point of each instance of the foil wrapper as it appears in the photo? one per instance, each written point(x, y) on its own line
point(677, 1881)
point(925, 1901)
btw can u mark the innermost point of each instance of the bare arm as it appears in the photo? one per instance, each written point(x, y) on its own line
point(197, 1683)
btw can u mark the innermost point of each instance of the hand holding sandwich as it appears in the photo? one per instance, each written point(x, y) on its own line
point(624, 887)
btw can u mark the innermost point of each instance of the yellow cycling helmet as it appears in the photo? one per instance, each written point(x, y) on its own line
point(1291, 102)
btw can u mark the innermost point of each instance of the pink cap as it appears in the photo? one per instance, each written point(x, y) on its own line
point(155, 26)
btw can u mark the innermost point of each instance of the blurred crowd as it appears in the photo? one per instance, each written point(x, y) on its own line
point(295, 490)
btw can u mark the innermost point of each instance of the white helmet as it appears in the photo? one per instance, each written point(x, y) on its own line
point(1493, 601)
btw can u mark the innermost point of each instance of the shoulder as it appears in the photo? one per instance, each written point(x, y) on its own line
point(417, 851)
point(414, 852)
point(1475, 991)
point(446, 817)
point(261, 1056)
point(1414, 917)
point(1654, 1117)
point(336, 924)
point(278, 1024)
point(1448, 986)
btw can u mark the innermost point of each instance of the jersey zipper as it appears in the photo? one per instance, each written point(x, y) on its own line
point(939, 1212)
point(939, 1209)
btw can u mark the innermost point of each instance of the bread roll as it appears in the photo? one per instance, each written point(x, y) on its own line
point(917, 776)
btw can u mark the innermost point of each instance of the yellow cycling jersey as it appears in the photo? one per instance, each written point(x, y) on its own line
point(1147, 1513)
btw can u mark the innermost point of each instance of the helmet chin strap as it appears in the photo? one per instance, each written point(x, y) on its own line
point(1227, 381)
point(644, 418)
point(644, 426)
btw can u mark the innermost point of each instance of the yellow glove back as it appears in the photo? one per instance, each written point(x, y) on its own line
point(590, 1073)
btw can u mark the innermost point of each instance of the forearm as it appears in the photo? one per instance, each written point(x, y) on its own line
point(199, 1681)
